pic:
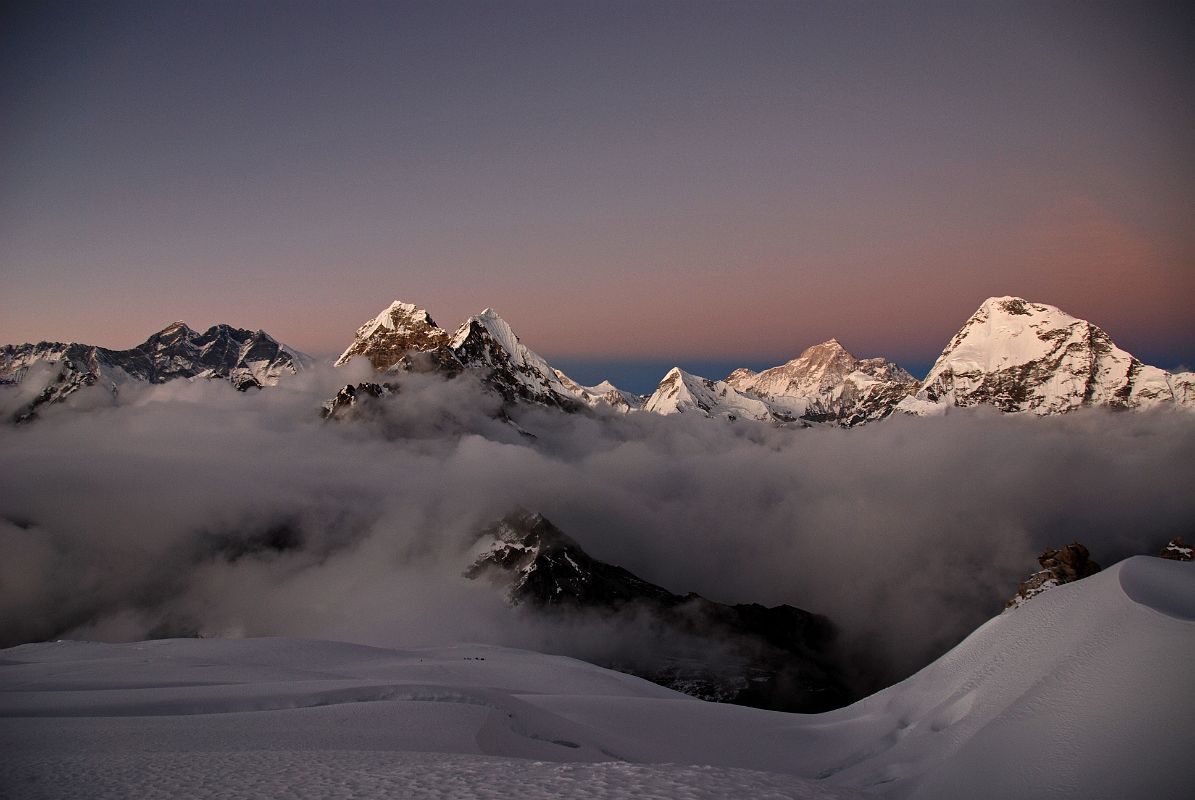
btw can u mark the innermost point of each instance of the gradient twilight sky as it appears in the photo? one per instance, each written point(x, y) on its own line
point(621, 181)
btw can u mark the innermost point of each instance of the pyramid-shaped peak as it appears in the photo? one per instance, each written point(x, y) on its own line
point(173, 333)
point(399, 309)
point(676, 372)
point(829, 350)
point(399, 328)
point(399, 317)
point(492, 323)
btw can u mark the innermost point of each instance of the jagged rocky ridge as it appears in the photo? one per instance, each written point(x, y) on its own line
point(246, 359)
point(780, 657)
point(405, 338)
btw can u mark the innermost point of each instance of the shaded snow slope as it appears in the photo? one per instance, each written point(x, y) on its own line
point(1078, 694)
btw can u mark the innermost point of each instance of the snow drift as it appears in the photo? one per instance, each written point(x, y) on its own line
point(1078, 693)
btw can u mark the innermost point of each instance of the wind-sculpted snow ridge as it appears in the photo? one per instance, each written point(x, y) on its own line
point(1076, 695)
point(246, 359)
point(1020, 356)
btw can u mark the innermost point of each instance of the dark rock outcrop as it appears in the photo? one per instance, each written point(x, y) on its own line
point(353, 399)
point(1178, 550)
point(778, 657)
point(1065, 565)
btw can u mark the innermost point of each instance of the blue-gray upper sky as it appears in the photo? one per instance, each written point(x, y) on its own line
point(644, 180)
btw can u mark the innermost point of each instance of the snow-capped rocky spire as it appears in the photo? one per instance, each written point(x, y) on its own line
point(487, 342)
point(399, 329)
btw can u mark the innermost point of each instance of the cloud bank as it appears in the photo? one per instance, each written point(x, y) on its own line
point(191, 508)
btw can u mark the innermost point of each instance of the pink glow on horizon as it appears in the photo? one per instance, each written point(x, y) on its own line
point(617, 183)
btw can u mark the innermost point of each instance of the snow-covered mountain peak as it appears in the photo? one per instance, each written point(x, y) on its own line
point(487, 342)
point(1022, 356)
point(400, 328)
point(174, 332)
point(826, 383)
point(742, 373)
point(831, 345)
point(498, 328)
point(681, 392)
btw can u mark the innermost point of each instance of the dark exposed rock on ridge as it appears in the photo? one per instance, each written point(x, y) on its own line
point(779, 657)
point(1067, 564)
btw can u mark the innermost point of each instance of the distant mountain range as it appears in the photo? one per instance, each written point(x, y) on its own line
point(1012, 355)
point(246, 359)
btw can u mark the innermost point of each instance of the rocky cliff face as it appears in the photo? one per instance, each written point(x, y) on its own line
point(780, 657)
point(389, 338)
point(246, 359)
point(1020, 356)
point(352, 399)
point(1067, 564)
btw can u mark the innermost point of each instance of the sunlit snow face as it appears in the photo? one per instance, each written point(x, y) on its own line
point(196, 509)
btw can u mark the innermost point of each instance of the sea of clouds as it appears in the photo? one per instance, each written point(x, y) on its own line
point(189, 508)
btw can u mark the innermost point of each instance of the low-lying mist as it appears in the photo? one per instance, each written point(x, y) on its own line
point(190, 508)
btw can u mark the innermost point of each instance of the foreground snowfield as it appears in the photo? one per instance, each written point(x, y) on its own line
point(1083, 692)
